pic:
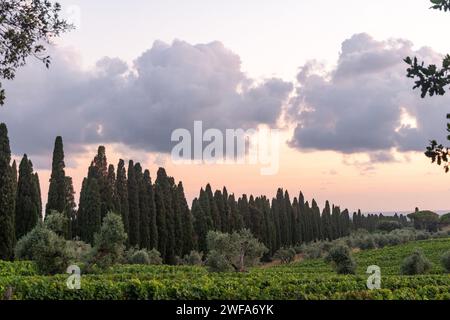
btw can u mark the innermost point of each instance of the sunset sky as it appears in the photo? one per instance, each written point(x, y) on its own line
point(328, 74)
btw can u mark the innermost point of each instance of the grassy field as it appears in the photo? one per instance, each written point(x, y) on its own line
point(309, 279)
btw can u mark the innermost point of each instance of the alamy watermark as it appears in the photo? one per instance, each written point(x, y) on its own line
point(230, 146)
point(73, 282)
point(374, 280)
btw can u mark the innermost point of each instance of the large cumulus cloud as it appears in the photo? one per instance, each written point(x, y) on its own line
point(362, 104)
point(167, 87)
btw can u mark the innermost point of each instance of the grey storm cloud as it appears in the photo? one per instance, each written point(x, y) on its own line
point(167, 87)
point(361, 105)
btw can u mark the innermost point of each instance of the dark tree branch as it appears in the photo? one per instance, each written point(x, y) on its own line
point(25, 26)
point(433, 80)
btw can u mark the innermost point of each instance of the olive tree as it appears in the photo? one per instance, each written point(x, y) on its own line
point(342, 260)
point(416, 263)
point(445, 260)
point(109, 243)
point(285, 255)
point(49, 251)
point(233, 252)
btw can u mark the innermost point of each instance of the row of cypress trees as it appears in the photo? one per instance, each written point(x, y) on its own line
point(20, 197)
point(156, 214)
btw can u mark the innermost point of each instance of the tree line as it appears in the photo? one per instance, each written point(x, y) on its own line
point(156, 214)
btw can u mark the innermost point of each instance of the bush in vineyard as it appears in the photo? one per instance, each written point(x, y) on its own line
point(194, 258)
point(285, 255)
point(80, 251)
point(342, 259)
point(109, 243)
point(57, 222)
point(48, 250)
point(236, 251)
point(139, 257)
point(154, 257)
point(416, 263)
point(446, 261)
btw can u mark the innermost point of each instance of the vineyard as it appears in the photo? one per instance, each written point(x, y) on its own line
point(309, 279)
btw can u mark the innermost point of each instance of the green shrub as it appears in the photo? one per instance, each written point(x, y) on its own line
point(313, 251)
point(439, 234)
point(445, 260)
point(194, 258)
point(140, 257)
point(80, 251)
point(421, 235)
point(239, 250)
point(366, 243)
point(109, 245)
point(154, 257)
point(285, 255)
point(381, 240)
point(389, 225)
point(49, 251)
point(416, 263)
point(58, 223)
point(444, 220)
point(342, 259)
point(217, 262)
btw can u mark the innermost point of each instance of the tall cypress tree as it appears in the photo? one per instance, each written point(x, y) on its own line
point(200, 225)
point(177, 220)
point(161, 219)
point(289, 218)
point(133, 206)
point(275, 212)
point(256, 217)
point(308, 223)
point(70, 210)
point(269, 230)
point(99, 171)
point(226, 214)
point(220, 205)
point(244, 210)
point(326, 222)
point(296, 234)
point(28, 202)
point(81, 220)
point(236, 221)
point(89, 214)
point(335, 217)
point(57, 188)
point(93, 210)
point(284, 224)
point(122, 194)
point(345, 223)
point(38, 189)
point(317, 221)
point(144, 210)
point(301, 217)
point(153, 227)
point(112, 199)
point(214, 211)
point(7, 198)
point(15, 175)
point(189, 239)
point(206, 208)
point(164, 186)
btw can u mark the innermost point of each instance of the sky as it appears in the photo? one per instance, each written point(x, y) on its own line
point(328, 74)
